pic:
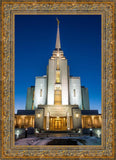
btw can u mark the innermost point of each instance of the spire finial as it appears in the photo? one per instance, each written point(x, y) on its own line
point(58, 46)
point(57, 21)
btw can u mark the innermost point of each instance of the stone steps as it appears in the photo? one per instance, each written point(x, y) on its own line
point(57, 131)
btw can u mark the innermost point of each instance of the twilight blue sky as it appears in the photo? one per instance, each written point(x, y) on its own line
point(35, 37)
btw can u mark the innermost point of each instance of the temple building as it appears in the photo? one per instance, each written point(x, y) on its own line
point(57, 101)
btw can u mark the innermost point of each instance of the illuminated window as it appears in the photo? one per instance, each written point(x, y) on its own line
point(57, 97)
point(96, 122)
point(74, 92)
point(26, 120)
point(58, 64)
point(57, 76)
point(40, 92)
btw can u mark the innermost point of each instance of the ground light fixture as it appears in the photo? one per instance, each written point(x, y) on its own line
point(17, 133)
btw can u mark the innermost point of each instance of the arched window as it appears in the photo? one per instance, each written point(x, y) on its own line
point(40, 92)
point(57, 76)
point(74, 92)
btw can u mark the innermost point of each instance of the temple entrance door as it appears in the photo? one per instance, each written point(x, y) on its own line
point(58, 123)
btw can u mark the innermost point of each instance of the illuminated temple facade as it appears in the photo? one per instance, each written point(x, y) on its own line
point(57, 99)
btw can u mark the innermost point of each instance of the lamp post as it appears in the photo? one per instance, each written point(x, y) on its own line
point(26, 132)
point(91, 132)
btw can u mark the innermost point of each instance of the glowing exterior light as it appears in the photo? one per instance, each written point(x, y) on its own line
point(77, 115)
point(79, 131)
point(90, 129)
point(98, 133)
point(38, 115)
point(57, 116)
point(58, 54)
point(47, 128)
point(68, 128)
point(36, 131)
point(17, 133)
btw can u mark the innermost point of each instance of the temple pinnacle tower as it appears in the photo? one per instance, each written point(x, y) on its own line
point(57, 97)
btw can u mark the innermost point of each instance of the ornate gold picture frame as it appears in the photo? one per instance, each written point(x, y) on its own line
point(9, 150)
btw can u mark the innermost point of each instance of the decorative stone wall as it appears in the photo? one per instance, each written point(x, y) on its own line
point(40, 91)
point(59, 110)
point(39, 118)
point(76, 118)
point(75, 84)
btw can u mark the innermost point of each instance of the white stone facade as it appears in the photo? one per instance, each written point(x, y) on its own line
point(51, 81)
point(85, 98)
point(70, 86)
point(75, 91)
point(40, 95)
point(64, 82)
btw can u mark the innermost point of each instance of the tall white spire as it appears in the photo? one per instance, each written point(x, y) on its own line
point(58, 45)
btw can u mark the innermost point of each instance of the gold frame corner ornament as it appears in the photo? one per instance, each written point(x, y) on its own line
point(9, 10)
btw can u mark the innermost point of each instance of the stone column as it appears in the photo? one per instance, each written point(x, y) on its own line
point(33, 122)
point(16, 120)
point(68, 121)
point(47, 121)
